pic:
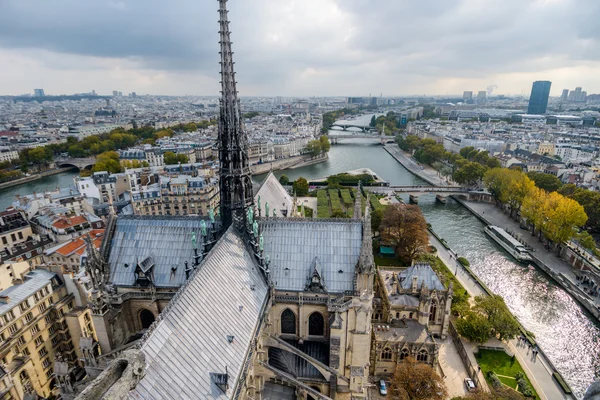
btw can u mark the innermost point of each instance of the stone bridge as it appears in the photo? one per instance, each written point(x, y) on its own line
point(79, 163)
point(363, 128)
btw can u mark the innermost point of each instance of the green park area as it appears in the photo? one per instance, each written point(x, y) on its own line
point(337, 202)
point(499, 366)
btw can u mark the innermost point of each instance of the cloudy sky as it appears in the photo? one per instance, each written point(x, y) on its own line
point(300, 47)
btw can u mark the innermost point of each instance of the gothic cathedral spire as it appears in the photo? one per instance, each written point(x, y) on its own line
point(235, 179)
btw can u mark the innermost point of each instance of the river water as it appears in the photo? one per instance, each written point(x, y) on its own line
point(565, 332)
point(65, 179)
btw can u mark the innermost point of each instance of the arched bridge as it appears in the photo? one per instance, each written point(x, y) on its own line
point(79, 163)
point(363, 128)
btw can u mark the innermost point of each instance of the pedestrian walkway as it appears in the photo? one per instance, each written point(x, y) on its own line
point(537, 368)
point(454, 369)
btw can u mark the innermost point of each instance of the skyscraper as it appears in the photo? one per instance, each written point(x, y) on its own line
point(235, 182)
point(565, 95)
point(38, 92)
point(538, 101)
point(467, 95)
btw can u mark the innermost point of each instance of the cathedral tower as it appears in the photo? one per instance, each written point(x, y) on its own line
point(235, 180)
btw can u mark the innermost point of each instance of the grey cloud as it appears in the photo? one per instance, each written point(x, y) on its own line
point(277, 41)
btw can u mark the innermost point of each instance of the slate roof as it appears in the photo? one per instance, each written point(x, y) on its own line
point(293, 244)
point(424, 273)
point(190, 342)
point(33, 281)
point(278, 198)
point(167, 239)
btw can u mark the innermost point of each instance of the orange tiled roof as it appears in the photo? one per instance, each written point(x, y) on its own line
point(67, 222)
point(78, 245)
point(71, 247)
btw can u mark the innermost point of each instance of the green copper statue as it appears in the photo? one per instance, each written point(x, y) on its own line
point(274, 213)
point(261, 242)
point(267, 209)
point(259, 204)
point(194, 243)
point(255, 228)
point(211, 214)
point(203, 227)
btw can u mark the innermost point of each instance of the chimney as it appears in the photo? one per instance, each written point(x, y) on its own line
point(4, 299)
point(413, 286)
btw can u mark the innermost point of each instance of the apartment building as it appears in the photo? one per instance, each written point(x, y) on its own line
point(68, 255)
point(181, 195)
point(35, 320)
point(8, 154)
point(14, 228)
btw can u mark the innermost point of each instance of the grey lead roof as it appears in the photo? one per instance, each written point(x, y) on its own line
point(167, 240)
point(293, 244)
point(424, 273)
point(34, 281)
point(190, 342)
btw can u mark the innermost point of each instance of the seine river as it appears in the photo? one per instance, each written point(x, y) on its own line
point(65, 179)
point(565, 332)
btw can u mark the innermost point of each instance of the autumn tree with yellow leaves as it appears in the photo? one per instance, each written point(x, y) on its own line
point(555, 216)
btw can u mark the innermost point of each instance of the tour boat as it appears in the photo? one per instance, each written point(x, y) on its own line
point(509, 243)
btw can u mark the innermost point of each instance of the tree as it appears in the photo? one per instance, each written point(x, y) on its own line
point(589, 200)
point(376, 217)
point(519, 187)
point(300, 187)
point(417, 380)
point(325, 144)
point(470, 173)
point(562, 216)
point(313, 148)
point(495, 310)
point(373, 121)
point(466, 151)
point(533, 208)
point(404, 228)
point(171, 158)
point(474, 327)
point(548, 182)
point(408, 143)
point(497, 182)
point(493, 162)
point(284, 180)
point(586, 240)
point(109, 162)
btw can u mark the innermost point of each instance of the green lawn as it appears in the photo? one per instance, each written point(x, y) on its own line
point(502, 364)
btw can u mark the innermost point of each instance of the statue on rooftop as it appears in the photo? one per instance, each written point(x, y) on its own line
point(194, 243)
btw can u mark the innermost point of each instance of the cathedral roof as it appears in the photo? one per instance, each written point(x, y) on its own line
point(272, 192)
point(207, 328)
point(293, 244)
point(167, 240)
point(424, 274)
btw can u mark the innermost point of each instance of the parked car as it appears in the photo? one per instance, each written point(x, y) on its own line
point(382, 387)
point(470, 384)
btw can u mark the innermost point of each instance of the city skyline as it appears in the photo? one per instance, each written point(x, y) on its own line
point(321, 48)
